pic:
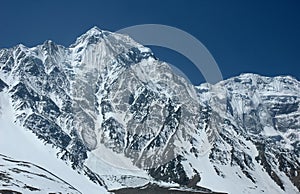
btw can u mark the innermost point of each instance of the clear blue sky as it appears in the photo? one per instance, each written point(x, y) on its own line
point(243, 36)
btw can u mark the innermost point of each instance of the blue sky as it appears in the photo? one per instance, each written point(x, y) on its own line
point(243, 36)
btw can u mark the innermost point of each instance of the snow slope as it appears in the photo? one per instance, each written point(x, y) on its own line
point(20, 144)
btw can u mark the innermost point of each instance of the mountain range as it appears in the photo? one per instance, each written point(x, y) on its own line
point(105, 115)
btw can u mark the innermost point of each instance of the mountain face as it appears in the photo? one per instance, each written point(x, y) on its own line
point(116, 114)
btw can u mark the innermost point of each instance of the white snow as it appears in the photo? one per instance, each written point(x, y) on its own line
point(270, 131)
point(112, 166)
point(21, 144)
point(232, 182)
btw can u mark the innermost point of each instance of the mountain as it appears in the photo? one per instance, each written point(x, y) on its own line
point(107, 111)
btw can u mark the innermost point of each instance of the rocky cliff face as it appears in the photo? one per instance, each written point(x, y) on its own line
point(106, 101)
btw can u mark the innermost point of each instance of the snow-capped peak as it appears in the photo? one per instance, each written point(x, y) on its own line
point(107, 94)
point(92, 36)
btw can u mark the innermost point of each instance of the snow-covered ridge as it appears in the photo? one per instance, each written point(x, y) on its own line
point(24, 177)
